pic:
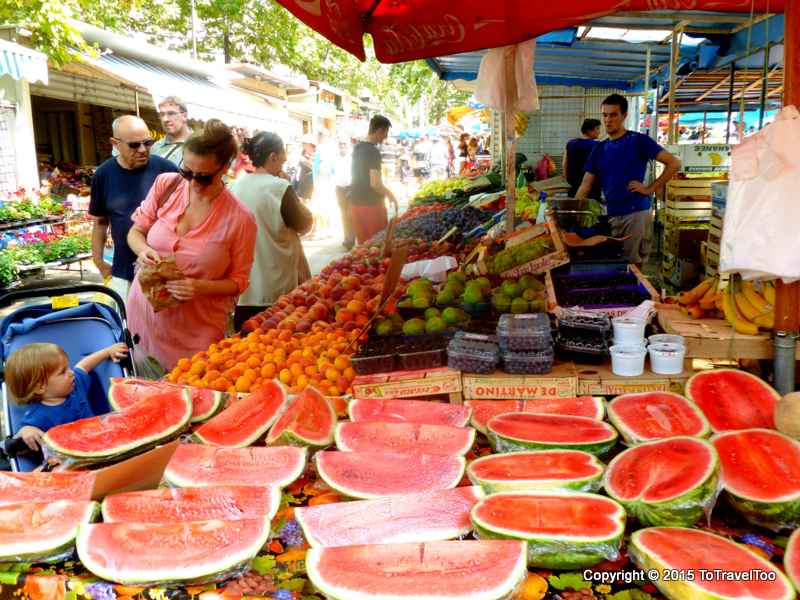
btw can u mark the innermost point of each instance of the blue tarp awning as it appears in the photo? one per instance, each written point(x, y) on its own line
point(20, 62)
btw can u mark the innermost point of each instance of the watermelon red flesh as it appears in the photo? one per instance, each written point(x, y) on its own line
point(582, 406)
point(410, 411)
point(124, 392)
point(246, 420)
point(691, 551)
point(791, 560)
point(429, 516)
point(45, 487)
point(543, 469)
point(170, 505)
point(198, 465)
point(157, 552)
point(655, 416)
point(473, 570)
point(309, 420)
point(149, 421)
point(37, 529)
point(732, 399)
point(371, 475)
point(404, 438)
point(518, 431)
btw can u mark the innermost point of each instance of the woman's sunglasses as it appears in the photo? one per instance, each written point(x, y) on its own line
point(200, 178)
point(135, 145)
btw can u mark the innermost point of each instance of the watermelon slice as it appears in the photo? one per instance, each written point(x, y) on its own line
point(512, 432)
point(246, 420)
point(170, 505)
point(761, 473)
point(309, 420)
point(425, 517)
point(670, 482)
point(656, 415)
point(146, 423)
point(194, 465)
point(583, 406)
point(124, 392)
point(733, 399)
point(697, 564)
point(157, 553)
point(424, 412)
point(372, 475)
point(791, 559)
point(455, 570)
point(404, 438)
point(537, 470)
point(564, 530)
point(45, 487)
point(42, 531)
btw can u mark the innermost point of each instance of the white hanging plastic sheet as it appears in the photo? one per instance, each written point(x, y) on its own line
point(491, 84)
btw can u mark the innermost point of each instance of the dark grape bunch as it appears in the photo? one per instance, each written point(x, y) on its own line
point(431, 226)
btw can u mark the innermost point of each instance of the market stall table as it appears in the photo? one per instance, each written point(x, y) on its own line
point(601, 381)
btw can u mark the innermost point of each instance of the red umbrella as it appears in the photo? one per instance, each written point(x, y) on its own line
point(404, 30)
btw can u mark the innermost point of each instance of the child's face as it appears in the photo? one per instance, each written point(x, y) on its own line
point(61, 382)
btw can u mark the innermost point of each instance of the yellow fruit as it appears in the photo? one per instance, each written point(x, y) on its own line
point(769, 292)
point(732, 316)
point(707, 301)
point(743, 305)
point(694, 295)
point(756, 299)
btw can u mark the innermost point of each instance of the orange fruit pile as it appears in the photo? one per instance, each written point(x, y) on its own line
point(243, 365)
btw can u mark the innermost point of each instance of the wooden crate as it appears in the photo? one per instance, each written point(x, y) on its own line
point(559, 256)
point(561, 382)
point(410, 384)
point(601, 381)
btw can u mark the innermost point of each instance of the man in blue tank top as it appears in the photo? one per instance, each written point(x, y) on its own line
point(619, 163)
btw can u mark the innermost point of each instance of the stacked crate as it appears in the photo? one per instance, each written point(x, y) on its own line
point(719, 195)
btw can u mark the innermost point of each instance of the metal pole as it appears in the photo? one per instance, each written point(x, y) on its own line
point(784, 344)
point(673, 76)
point(764, 85)
point(730, 103)
point(703, 132)
point(508, 109)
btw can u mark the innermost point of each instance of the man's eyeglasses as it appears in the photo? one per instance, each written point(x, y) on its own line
point(170, 113)
point(135, 145)
point(202, 179)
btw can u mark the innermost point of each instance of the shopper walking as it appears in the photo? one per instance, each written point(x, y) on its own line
point(175, 120)
point(210, 234)
point(280, 264)
point(342, 176)
point(118, 187)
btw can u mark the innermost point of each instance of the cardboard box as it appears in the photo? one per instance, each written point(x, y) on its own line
point(409, 384)
point(601, 381)
point(140, 472)
point(562, 382)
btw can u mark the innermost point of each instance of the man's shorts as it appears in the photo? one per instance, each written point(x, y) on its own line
point(638, 228)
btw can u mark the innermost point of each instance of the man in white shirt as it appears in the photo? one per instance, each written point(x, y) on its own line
point(342, 178)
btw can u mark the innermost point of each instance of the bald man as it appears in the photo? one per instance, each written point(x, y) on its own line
point(118, 187)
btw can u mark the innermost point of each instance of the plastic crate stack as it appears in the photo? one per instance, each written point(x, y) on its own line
point(526, 343)
point(584, 336)
point(719, 196)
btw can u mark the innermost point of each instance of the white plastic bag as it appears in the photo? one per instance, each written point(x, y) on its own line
point(491, 84)
point(433, 270)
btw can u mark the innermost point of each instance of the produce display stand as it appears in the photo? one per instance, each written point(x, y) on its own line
point(561, 382)
point(410, 384)
point(601, 381)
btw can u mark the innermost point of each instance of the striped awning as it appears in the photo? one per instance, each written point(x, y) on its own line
point(20, 62)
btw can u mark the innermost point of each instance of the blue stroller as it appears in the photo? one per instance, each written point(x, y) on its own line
point(80, 330)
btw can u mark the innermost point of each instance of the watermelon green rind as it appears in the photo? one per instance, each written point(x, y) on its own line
point(778, 512)
point(345, 441)
point(283, 433)
point(54, 548)
point(508, 443)
point(632, 437)
point(680, 510)
point(218, 402)
point(679, 586)
point(119, 569)
point(407, 571)
point(791, 559)
point(558, 551)
point(111, 450)
point(590, 483)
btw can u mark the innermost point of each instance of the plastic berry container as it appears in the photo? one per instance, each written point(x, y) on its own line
point(425, 359)
point(524, 333)
point(528, 363)
point(584, 319)
point(369, 365)
point(473, 353)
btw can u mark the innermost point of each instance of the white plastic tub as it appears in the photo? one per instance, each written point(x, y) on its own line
point(666, 359)
point(628, 360)
point(628, 330)
point(666, 338)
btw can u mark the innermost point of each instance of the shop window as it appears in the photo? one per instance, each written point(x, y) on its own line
point(8, 158)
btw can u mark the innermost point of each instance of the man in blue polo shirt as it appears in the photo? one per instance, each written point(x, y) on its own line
point(620, 163)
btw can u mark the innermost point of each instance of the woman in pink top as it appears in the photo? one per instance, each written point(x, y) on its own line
point(212, 237)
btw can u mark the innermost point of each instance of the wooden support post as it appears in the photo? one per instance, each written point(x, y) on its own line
point(675, 52)
point(730, 103)
point(510, 106)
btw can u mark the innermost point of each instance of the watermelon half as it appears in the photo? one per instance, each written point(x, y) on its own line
point(145, 424)
point(372, 475)
point(583, 406)
point(761, 474)
point(514, 432)
point(246, 420)
point(563, 530)
point(124, 392)
point(196, 465)
point(425, 517)
point(309, 420)
point(170, 505)
point(705, 566)
point(157, 553)
point(671, 482)
point(656, 415)
point(424, 412)
point(733, 399)
point(791, 559)
point(42, 531)
point(45, 487)
point(455, 570)
point(537, 470)
point(372, 436)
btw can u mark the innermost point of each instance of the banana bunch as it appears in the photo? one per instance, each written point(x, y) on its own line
point(520, 123)
point(745, 308)
point(702, 301)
